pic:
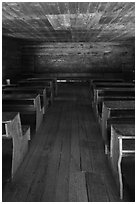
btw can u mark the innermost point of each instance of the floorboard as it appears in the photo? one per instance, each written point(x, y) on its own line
point(96, 188)
point(66, 161)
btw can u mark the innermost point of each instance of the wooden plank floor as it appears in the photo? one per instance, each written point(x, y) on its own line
point(66, 161)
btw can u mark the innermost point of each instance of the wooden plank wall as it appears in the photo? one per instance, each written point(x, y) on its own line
point(11, 58)
point(78, 57)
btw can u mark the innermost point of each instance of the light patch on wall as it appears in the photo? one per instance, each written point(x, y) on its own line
point(107, 52)
point(57, 60)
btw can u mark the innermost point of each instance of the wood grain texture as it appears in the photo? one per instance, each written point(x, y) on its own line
point(13, 128)
point(69, 21)
point(77, 188)
point(69, 37)
point(96, 188)
point(78, 57)
point(53, 170)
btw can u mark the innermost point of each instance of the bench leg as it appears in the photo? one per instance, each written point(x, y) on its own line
point(106, 149)
point(120, 177)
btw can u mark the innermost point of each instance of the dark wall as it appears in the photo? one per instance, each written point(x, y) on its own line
point(78, 57)
point(11, 59)
point(68, 58)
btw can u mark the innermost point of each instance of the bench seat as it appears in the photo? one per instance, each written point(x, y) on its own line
point(98, 106)
point(113, 91)
point(113, 109)
point(117, 120)
point(39, 76)
point(43, 79)
point(49, 88)
point(106, 94)
point(28, 105)
point(101, 85)
point(30, 90)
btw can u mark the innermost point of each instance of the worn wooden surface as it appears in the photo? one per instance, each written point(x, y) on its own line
point(78, 57)
point(66, 160)
point(36, 89)
point(68, 37)
point(123, 157)
point(27, 104)
point(9, 116)
point(115, 109)
point(69, 21)
point(13, 128)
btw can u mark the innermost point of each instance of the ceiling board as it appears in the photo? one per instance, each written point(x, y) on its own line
point(69, 21)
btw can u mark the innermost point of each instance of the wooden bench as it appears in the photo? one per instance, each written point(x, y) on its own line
point(105, 94)
point(101, 85)
point(47, 85)
point(37, 83)
point(110, 91)
point(30, 90)
point(8, 86)
point(112, 84)
point(113, 109)
point(28, 105)
point(53, 80)
point(113, 98)
point(123, 157)
point(14, 143)
point(103, 80)
point(117, 120)
point(43, 76)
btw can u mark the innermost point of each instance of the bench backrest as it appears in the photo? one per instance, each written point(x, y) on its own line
point(24, 90)
point(34, 83)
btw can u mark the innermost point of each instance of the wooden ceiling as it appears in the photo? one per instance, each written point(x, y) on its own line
point(69, 21)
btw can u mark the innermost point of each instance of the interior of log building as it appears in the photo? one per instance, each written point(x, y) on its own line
point(68, 101)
